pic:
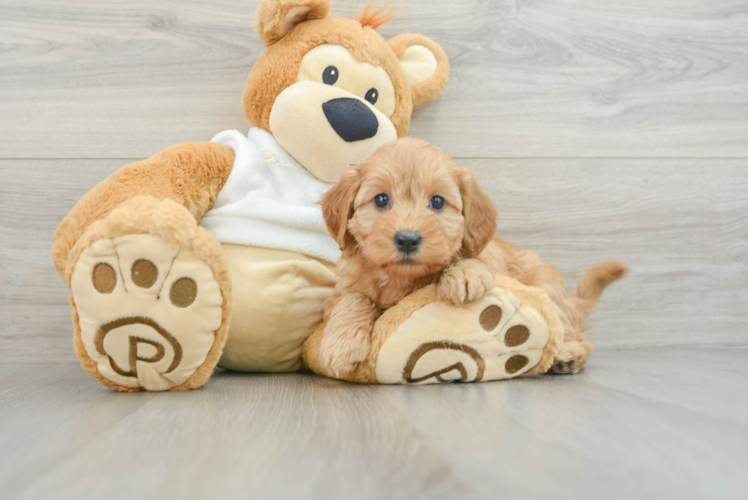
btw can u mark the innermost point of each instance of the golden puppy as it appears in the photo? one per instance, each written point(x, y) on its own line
point(410, 216)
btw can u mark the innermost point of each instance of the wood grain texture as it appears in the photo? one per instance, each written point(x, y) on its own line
point(556, 105)
point(681, 225)
point(635, 424)
point(34, 309)
point(545, 78)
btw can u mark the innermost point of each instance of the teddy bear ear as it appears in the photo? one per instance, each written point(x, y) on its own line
point(275, 18)
point(425, 65)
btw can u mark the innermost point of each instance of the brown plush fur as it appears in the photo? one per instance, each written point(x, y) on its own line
point(458, 250)
point(190, 174)
point(429, 89)
point(274, 18)
point(278, 67)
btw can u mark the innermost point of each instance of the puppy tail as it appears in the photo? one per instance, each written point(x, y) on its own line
point(593, 283)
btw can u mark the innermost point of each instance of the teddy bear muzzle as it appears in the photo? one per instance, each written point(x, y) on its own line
point(328, 129)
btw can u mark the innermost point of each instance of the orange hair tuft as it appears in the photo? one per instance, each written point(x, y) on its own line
point(378, 17)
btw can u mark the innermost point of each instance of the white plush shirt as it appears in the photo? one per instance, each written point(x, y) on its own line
point(269, 200)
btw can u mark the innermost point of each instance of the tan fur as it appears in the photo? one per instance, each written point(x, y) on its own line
point(465, 281)
point(392, 319)
point(190, 174)
point(429, 89)
point(280, 298)
point(527, 267)
point(349, 326)
point(478, 212)
point(272, 19)
point(388, 322)
point(410, 172)
point(278, 66)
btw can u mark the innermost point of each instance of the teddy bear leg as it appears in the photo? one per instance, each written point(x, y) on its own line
point(151, 298)
point(279, 301)
point(510, 331)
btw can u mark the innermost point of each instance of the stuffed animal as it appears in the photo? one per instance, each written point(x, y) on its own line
point(513, 330)
point(217, 253)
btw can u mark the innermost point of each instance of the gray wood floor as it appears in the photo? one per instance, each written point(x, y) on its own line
point(641, 423)
point(600, 129)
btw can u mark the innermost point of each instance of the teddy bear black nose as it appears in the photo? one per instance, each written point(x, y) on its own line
point(351, 119)
point(407, 241)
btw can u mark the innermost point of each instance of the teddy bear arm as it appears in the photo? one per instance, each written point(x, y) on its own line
point(191, 174)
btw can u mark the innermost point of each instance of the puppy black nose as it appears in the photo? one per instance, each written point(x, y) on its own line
point(351, 119)
point(407, 241)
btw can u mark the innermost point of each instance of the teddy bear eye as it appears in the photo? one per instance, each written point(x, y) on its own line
point(372, 95)
point(330, 75)
point(382, 200)
point(437, 203)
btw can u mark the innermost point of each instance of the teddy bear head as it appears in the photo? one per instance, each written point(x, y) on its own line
point(332, 90)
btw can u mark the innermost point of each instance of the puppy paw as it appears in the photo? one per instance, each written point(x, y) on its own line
point(571, 357)
point(466, 281)
point(347, 335)
point(340, 354)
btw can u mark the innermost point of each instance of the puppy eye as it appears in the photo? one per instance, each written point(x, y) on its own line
point(330, 75)
point(437, 203)
point(372, 95)
point(382, 200)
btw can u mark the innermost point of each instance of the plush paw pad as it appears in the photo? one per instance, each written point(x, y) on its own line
point(148, 310)
point(494, 337)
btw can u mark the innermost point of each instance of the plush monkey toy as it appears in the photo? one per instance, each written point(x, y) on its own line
point(216, 253)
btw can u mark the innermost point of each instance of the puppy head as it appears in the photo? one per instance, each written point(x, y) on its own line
point(410, 210)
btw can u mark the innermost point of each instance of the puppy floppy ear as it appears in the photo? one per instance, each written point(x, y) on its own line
point(425, 65)
point(479, 213)
point(337, 206)
point(275, 18)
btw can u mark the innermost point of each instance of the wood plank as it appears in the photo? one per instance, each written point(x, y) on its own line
point(34, 307)
point(652, 373)
point(586, 440)
point(682, 226)
point(300, 436)
point(545, 78)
